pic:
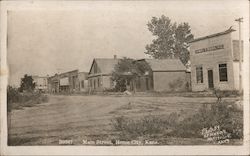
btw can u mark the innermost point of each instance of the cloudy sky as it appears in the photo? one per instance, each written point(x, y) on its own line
point(46, 41)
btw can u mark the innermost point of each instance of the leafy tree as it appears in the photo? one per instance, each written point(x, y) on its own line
point(27, 84)
point(171, 40)
point(126, 71)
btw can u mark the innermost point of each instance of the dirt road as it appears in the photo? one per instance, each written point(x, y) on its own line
point(84, 117)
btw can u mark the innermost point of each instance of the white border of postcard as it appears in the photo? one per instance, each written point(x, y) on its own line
point(108, 150)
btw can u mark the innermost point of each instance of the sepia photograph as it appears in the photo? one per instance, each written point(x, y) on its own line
point(106, 74)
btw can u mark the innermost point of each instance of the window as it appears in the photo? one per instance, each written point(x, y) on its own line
point(199, 75)
point(223, 72)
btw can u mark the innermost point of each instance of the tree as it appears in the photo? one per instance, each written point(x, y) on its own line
point(27, 84)
point(171, 41)
point(126, 71)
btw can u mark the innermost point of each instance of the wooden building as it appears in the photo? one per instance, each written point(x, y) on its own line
point(215, 62)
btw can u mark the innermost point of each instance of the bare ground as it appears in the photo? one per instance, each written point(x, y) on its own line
point(88, 117)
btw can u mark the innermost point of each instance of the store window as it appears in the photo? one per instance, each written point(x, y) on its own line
point(199, 75)
point(223, 72)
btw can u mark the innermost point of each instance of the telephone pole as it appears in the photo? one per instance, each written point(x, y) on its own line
point(240, 20)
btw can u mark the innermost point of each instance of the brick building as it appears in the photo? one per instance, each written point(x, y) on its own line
point(215, 62)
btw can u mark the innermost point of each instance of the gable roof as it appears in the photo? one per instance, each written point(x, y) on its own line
point(165, 64)
point(213, 35)
point(106, 65)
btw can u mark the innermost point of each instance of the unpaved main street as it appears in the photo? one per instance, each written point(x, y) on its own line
point(83, 117)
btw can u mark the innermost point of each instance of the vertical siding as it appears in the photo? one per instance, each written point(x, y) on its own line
point(105, 82)
point(162, 80)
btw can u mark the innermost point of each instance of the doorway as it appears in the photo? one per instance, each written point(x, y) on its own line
point(210, 79)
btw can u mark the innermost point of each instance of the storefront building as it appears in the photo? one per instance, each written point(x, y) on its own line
point(215, 62)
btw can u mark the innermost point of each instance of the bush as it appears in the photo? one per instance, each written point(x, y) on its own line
point(17, 100)
point(12, 95)
point(147, 126)
point(224, 115)
point(176, 85)
point(221, 114)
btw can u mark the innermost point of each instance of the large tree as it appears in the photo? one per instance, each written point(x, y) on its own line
point(27, 84)
point(171, 40)
point(126, 71)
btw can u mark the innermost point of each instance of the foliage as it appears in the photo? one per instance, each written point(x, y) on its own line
point(229, 119)
point(12, 94)
point(176, 85)
point(134, 128)
point(126, 71)
point(18, 100)
point(219, 114)
point(170, 39)
point(27, 84)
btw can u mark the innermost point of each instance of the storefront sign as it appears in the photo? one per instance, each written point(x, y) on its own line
point(213, 48)
point(64, 81)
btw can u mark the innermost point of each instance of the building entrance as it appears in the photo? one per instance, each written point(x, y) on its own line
point(210, 79)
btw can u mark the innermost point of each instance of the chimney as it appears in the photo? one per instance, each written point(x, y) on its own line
point(115, 57)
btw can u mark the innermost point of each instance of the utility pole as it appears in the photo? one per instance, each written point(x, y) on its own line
point(240, 20)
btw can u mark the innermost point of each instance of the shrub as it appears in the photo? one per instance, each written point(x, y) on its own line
point(209, 116)
point(12, 95)
point(17, 100)
point(176, 85)
point(147, 126)
point(224, 115)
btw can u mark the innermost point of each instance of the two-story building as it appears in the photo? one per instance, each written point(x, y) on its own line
point(215, 62)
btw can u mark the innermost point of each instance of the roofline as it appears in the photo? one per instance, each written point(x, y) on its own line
point(213, 35)
point(91, 65)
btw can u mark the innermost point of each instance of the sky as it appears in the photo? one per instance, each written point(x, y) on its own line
point(48, 41)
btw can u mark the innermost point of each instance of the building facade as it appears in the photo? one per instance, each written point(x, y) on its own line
point(215, 62)
point(165, 75)
point(41, 83)
point(99, 77)
point(68, 82)
point(83, 81)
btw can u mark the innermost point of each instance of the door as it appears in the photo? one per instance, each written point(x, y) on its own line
point(210, 79)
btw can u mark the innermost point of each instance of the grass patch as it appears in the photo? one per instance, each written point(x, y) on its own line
point(15, 141)
point(225, 115)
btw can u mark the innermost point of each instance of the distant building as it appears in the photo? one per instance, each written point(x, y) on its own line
point(99, 77)
point(165, 75)
point(83, 81)
point(68, 82)
point(159, 78)
point(215, 62)
point(41, 83)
